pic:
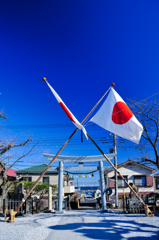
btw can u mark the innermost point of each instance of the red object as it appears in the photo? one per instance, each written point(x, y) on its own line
point(69, 115)
point(121, 113)
point(10, 172)
point(149, 181)
point(121, 194)
point(145, 193)
point(111, 183)
point(141, 193)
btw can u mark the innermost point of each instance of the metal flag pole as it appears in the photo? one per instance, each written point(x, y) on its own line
point(147, 210)
point(24, 199)
point(116, 178)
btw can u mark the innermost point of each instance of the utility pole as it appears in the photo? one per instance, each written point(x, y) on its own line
point(115, 173)
point(77, 183)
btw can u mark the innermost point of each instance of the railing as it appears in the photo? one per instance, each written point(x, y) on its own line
point(135, 206)
point(31, 206)
point(26, 208)
point(42, 204)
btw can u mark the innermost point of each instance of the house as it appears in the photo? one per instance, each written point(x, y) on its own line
point(51, 176)
point(133, 172)
point(11, 173)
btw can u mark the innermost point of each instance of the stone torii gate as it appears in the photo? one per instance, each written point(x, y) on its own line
point(80, 160)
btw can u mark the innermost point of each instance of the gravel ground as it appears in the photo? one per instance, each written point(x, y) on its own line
point(81, 225)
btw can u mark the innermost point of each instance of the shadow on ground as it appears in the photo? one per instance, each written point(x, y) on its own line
point(113, 226)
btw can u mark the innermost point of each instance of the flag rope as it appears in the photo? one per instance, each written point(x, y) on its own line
point(85, 124)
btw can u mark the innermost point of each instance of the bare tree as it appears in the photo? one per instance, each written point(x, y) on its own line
point(5, 146)
point(147, 112)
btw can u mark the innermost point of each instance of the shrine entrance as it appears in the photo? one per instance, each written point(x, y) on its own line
point(81, 168)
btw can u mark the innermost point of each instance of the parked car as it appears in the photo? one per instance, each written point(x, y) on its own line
point(89, 197)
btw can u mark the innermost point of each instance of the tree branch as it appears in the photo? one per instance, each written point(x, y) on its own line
point(148, 160)
point(14, 146)
point(3, 116)
point(24, 155)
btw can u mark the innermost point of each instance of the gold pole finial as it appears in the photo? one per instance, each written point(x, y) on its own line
point(44, 79)
point(112, 84)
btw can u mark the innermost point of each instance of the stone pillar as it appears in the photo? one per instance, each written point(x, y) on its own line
point(50, 198)
point(60, 188)
point(102, 187)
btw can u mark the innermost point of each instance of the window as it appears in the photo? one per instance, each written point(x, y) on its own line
point(45, 179)
point(140, 181)
point(27, 179)
point(157, 183)
point(121, 182)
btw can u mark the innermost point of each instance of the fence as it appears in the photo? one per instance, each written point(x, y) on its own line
point(26, 208)
point(40, 205)
point(134, 206)
point(31, 206)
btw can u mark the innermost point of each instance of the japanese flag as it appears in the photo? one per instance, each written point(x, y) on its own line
point(115, 116)
point(67, 111)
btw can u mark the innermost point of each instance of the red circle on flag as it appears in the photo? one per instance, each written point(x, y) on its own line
point(121, 113)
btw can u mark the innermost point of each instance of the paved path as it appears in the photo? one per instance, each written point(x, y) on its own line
point(84, 225)
point(81, 225)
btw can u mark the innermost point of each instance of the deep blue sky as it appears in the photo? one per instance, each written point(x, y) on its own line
point(80, 47)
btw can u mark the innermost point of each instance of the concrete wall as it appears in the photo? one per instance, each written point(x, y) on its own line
point(53, 179)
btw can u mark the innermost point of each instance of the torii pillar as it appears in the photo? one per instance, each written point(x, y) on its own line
point(80, 159)
point(102, 187)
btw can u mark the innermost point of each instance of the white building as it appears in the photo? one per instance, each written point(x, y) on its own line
point(139, 174)
point(51, 176)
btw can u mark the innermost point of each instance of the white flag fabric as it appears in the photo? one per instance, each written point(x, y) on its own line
point(115, 116)
point(67, 111)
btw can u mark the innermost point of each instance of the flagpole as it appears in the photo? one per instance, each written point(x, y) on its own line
point(149, 211)
point(24, 199)
point(116, 178)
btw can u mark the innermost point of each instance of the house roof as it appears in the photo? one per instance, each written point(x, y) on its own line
point(156, 175)
point(132, 163)
point(10, 172)
point(37, 169)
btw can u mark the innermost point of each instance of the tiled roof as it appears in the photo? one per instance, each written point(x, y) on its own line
point(36, 169)
point(156, 175)
point(10, 172)
point(132, 162)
